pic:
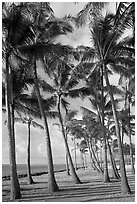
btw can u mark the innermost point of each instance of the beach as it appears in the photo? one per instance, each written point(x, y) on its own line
point(92, 188)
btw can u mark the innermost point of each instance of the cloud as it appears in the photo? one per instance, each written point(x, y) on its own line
point(79, 36)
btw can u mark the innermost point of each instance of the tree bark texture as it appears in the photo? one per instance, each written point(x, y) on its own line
point(52, 185)
point(124, 182)
point(73, 172)
point(15, 187)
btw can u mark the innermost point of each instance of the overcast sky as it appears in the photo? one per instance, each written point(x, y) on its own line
point(38, 143)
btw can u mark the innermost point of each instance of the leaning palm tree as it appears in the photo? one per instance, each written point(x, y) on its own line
point(112, 52)
point(114, 55)
point(46, 29)
point(64, 84)
point(16, 31)
point(129, 99)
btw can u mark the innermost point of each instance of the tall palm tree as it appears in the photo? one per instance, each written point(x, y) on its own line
point(111, 54)
point(68, 119)
point(64, 84)
point(16, 31)
point(64, 88)
point(46, 29)
point(129, 98)
point(111, 51)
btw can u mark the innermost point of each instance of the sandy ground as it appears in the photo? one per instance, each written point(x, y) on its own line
point(92, 189)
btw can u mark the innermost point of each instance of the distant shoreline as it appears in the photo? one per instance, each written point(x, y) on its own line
point(4, 178)
point(33, 174)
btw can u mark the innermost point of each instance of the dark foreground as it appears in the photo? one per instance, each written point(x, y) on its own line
point(92, 189)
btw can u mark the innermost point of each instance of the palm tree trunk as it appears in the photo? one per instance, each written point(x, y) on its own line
point(124, 182)
point(82, 160)
point(101, 155)
point(75, 155)
point(15, 187)
point(67, 165)
point(129, 134)
point(85, 158)
point(122, 133)
point(30, 180)
point(91, 158)
point(93, 153)
point(73, 172)
point(52, 185)
point(114, 168)
point(67, 162)
point(106, 175)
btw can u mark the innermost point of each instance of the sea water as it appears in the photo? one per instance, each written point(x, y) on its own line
point(22, 168)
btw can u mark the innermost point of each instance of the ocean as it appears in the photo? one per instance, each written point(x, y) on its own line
point(22, 168)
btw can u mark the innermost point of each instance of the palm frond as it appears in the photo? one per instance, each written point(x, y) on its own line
point(90, 10)
point(49, 103)
point(88, 112)
point(52, 114)
point(20, 120)
point(46, 87)
point(70, 115)
point(36, 125)
point(65, 104)
point(114, 90)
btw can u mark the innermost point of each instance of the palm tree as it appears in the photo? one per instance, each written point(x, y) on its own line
point(46, 29)
point(83, 129)
point(129, 99)
point(105, 51)
point(29, 122)
point(63, 85)
point(112, 52)
point(16, 31)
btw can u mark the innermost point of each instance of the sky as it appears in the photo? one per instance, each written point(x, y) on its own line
point(38, 142)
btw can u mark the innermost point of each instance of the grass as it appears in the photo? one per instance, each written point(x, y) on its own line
point(92, 189)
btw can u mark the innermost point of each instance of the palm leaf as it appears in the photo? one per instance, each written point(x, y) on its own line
point(52, 114)
point(36, 125)
point(81, 92)
point(65, 104)
point(88, 112)
point(90, 10)
point(46, 87)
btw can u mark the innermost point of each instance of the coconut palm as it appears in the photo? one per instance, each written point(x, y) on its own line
point(83, 129)
point(82, 146)
point(46, 29)
point(112, 52)
point(16, 31)
point(129, 98)
point(29, 121)
point(64, 83)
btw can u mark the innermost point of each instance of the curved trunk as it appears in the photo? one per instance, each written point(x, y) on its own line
point(30, 180)
point(114, 168)
point(73, 172)
point(52, 185)
point(129, 134)
point(93, 153)
point(15, 187)
point(91, 158)
point(124, 182)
